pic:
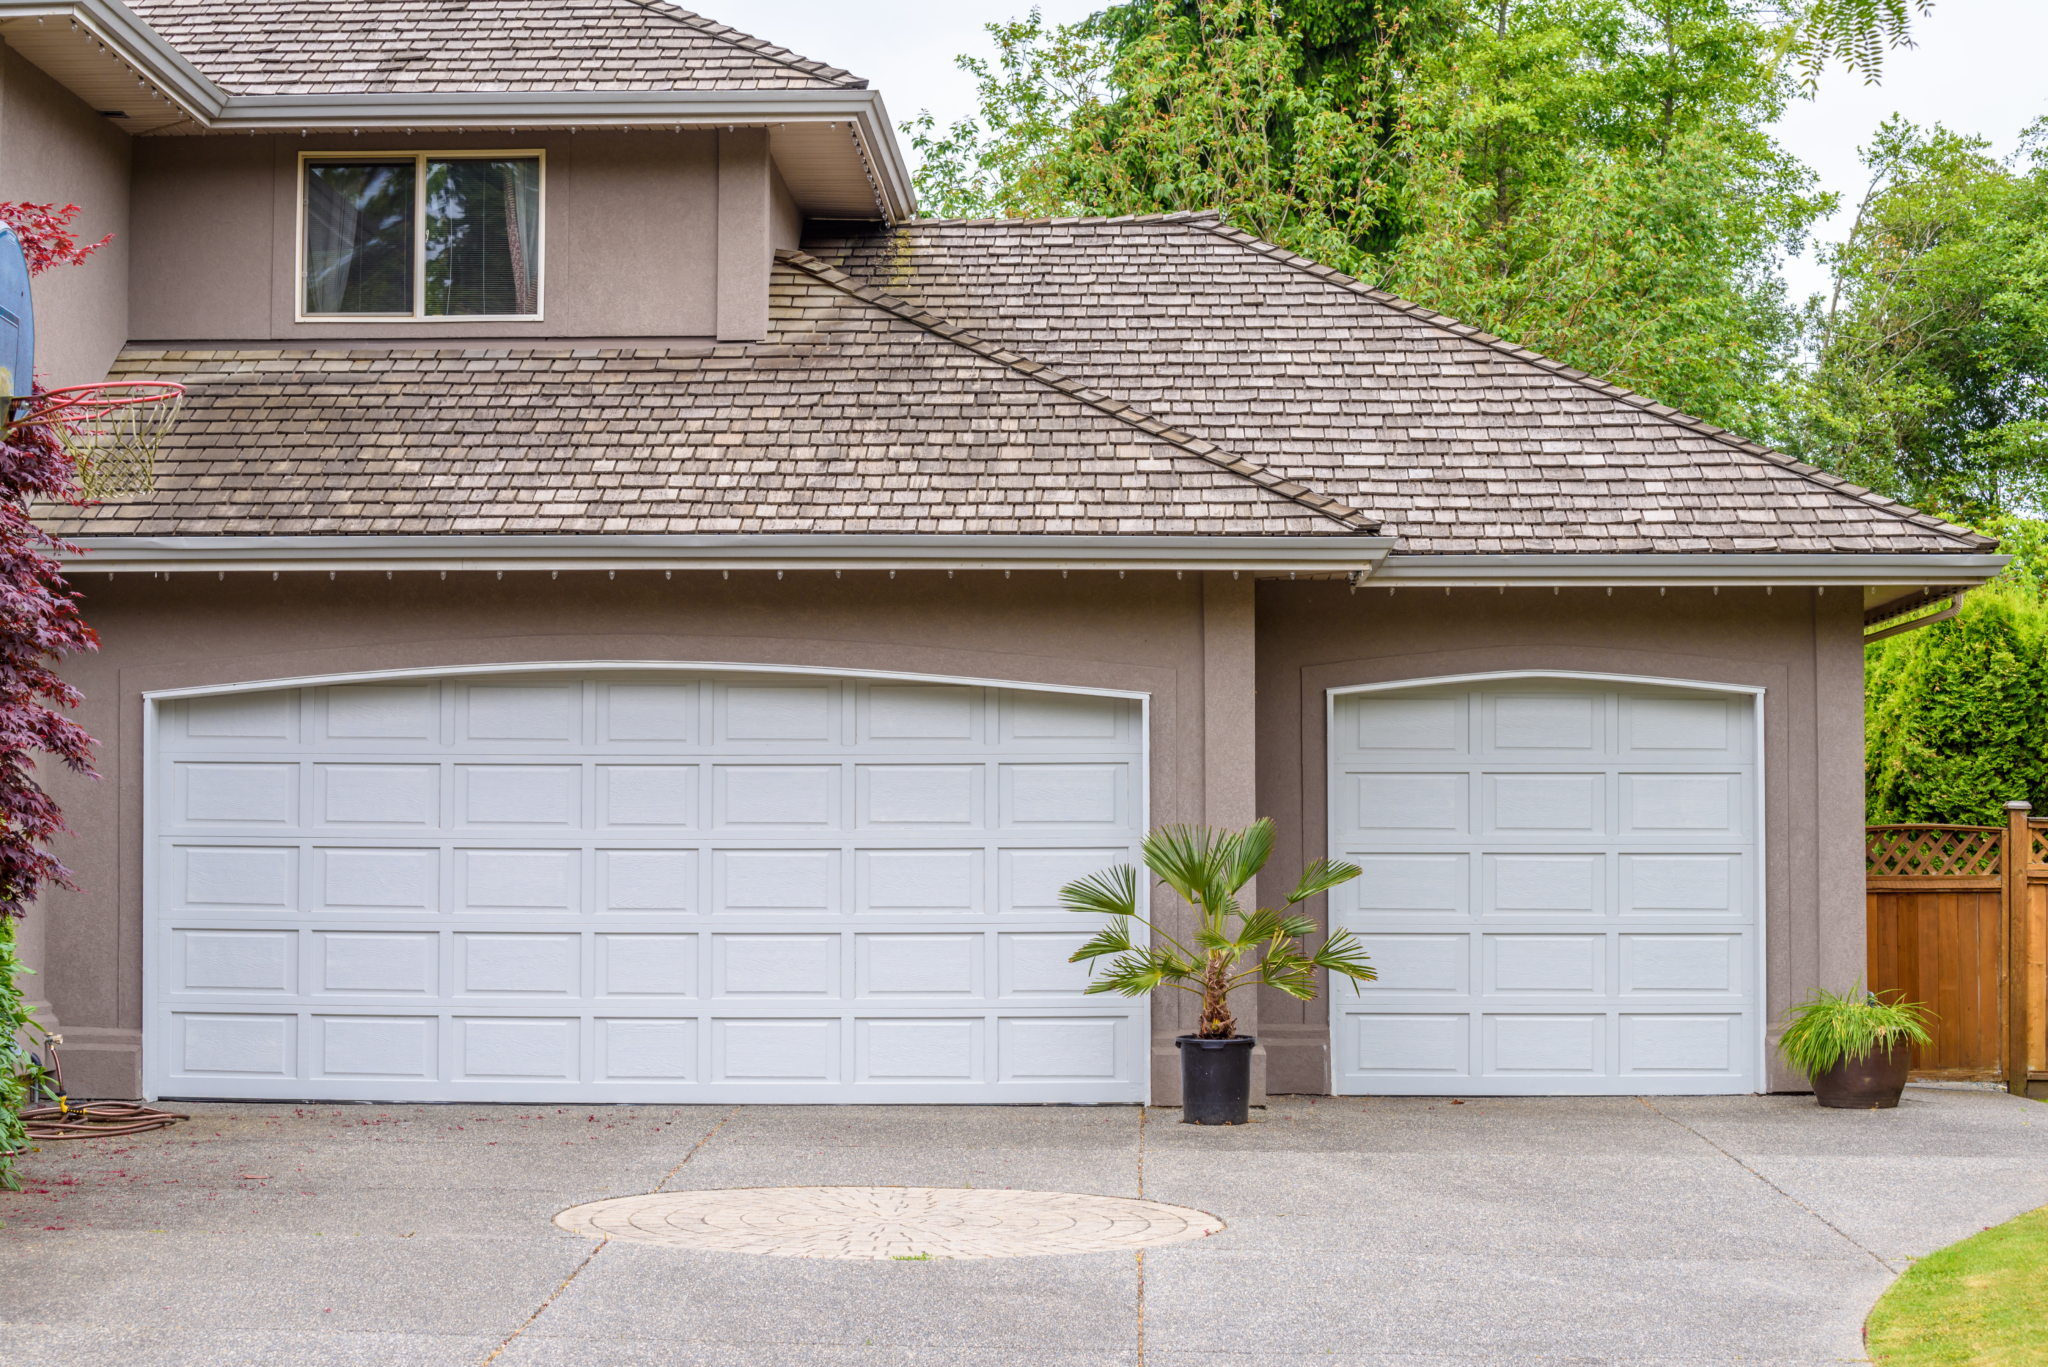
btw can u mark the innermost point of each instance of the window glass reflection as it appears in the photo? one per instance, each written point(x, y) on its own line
point(359, 237)
point(482, 236)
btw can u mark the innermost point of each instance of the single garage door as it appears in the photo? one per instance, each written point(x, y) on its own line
point(1559, 893)
point(635, 886)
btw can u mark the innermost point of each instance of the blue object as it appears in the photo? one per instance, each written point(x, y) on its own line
point(17, 320)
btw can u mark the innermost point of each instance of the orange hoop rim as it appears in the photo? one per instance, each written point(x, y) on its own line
point(75, 402)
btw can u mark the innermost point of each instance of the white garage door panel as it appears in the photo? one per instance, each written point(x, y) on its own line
point(637, 887)
point(1558, 891)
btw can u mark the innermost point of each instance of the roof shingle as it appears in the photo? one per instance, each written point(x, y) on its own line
point(1454, 441)
point(323, 47)
point(1095, 377)
point(851, 418)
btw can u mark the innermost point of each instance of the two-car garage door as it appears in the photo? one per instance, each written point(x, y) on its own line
point(632, 886)
point(1560, 888)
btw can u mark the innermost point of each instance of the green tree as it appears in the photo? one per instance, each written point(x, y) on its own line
point(1590, 178)
point(1956, 714)
point(1930, 379)
point(1583, 176)
point(1855, 33)
point(1195, 110)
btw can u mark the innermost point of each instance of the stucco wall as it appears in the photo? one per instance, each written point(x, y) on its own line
point(56, 150)
point(1145, 633)
point(636, 241)
point(1803, 647)
point(1188, 642)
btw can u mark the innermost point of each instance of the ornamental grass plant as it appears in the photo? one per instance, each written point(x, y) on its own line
point(1828, 1027)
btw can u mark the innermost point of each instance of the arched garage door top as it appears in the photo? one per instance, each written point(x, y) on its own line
point(636, 885)
point(1560, 889)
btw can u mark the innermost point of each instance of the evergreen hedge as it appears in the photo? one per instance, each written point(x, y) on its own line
point(1956, 714)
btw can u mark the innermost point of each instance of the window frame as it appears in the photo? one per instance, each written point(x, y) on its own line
point(419, 312)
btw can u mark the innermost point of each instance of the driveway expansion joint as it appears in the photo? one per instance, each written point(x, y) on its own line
point(1846, 1237)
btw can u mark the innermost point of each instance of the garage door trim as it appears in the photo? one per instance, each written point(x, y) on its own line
point(1756, 693)
point(154, 700)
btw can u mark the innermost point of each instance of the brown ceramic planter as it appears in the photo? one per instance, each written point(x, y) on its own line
point(1871, 1082)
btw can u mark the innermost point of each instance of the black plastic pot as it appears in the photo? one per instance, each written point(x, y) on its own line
point(1868, 1082)
point(1215, 1080)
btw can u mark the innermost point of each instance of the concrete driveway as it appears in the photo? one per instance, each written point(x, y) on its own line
point(1701, 1231)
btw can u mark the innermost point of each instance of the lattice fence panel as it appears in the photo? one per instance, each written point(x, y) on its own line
point(2039, 852)
point(1934, 851)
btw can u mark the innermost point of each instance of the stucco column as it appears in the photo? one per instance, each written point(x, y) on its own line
point(1229, 748)
point(746, 252)
point(1830, 950)
point(1221, 791)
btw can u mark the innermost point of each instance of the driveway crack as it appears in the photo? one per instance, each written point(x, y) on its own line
point(699, 1144)
point(1143, 1114)
point(1846, 1237)
point(554, 1295)
point(541, 1309)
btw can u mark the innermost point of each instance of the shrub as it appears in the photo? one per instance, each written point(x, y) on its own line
point(1956, 714)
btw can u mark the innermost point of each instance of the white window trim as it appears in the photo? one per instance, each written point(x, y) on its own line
point(419, 312)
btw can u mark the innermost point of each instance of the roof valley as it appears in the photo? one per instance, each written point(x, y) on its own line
point(1350, 518)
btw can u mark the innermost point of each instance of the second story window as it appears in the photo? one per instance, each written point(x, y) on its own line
point(421, 236)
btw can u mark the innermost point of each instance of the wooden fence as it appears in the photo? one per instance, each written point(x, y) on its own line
point(1958, 919)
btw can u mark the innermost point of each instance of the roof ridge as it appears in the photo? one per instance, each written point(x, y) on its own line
point(1216, 226)
point(1129, 414)
point(748, 43)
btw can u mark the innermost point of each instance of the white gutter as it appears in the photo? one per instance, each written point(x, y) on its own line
point(1898, 628)
point(1728, 571)
point(1262, 555)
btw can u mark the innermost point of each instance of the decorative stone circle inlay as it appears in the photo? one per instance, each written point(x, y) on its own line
point(888, 1222)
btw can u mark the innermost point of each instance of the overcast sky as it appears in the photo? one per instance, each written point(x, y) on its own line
point(1978, 67)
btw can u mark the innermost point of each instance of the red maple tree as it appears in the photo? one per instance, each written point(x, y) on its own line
point(46, 236)
point(39, 619)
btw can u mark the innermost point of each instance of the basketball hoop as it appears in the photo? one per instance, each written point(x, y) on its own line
point(110, 430)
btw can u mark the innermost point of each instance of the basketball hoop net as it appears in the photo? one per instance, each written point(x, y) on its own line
point(110, 430)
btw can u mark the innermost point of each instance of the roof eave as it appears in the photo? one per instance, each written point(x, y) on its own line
point(213, 109)
point(132, 41)
point(1259, 555)
point(1798, 569)
point(594, 109)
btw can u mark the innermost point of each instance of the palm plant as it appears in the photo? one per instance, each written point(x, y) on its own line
point(1207, 867)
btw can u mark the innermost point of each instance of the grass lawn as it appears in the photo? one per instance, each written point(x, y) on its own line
point(1982, 1302)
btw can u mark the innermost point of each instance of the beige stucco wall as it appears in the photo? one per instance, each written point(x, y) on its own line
point(1145, 633)
point(1801, 646)
point(56, 150)
point(1196, 644)
point(645, 235)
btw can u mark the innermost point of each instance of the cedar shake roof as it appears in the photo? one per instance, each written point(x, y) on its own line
point(324, 47)
point(1162, 376)
point(1455, 441)
point(853, 417)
